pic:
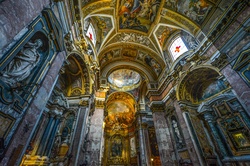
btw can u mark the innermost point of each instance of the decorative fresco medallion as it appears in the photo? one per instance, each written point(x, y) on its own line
point(124, 79)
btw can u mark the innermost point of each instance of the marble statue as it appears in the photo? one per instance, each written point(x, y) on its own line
point(22, 64)
point(176, 131)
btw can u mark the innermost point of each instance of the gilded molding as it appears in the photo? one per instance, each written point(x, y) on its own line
point(178, 19)
point(81, 45)
point(172, 94)
point(83, 103)
point(68, 43)
point(94, 6)
point(169, 110)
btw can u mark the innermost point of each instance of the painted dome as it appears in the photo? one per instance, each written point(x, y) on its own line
point(124, 79)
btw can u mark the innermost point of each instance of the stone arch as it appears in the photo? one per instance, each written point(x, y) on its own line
point(145, 72)
point(76, 76)
point(200, 84)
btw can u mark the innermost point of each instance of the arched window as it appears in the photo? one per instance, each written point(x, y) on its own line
point(91, 34)
point(178, 47)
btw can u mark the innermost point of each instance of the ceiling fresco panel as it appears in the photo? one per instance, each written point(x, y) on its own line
point(195, 10)
point(137, 14)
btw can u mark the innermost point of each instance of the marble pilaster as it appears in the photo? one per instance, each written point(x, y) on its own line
point(209, 118)
point(52, 136)
point(163, 135)
point(45, 136)
point(186, 134)
point(144, 159)
point(94, 141)
point(80, 132)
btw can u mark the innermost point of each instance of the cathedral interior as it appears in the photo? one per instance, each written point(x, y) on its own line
point(125, 82)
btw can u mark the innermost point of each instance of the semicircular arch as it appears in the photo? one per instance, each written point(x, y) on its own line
point(199, 84)
point(142, 70)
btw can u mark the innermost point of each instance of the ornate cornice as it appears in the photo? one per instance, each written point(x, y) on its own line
point(88, 9)
point(157, 107)
point(225, 23)
point(220, 61)
point(169, 110)
point(180, 20)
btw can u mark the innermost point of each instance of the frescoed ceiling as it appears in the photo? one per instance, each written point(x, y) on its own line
point(124, 79)
point(140, 30)
point(136, 34)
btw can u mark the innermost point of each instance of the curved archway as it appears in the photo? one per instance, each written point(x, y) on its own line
point(75, 79)
point(200, 84)
point(119, 128)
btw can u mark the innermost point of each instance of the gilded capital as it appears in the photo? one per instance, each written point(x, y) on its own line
point(144, 125)
point(99, 103)
point(84, 103)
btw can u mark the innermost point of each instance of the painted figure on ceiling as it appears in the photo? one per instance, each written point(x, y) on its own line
point(138, 14)
point(193, 9)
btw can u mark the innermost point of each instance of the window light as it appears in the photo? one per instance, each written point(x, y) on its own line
point(91, 34)
point(177, 48)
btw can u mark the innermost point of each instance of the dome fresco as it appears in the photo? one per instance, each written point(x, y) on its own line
point(124, 79)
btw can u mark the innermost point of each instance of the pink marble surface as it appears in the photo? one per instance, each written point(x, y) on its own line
point(15, 15)
point(239, 86)
point(34, 111)
point(163, 138)
point(188, 141)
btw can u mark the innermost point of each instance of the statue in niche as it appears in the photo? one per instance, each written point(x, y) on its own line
point(116, 148)
point(177, 133)
point(22, 64)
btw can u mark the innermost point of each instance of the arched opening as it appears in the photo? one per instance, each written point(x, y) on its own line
point(119, 129)
point(200, 84)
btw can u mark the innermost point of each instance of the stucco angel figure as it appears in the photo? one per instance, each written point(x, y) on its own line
point(22, 64)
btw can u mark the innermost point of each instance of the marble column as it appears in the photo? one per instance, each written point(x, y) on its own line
point(142, 129)
point(21, 139)
point(44, 139)
point(39, 133)
point(92, 155)
point(52, 136)
point(186, 134)
point(215, 133)
point(80, 132)
point(163, 135)
point(239, 86)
